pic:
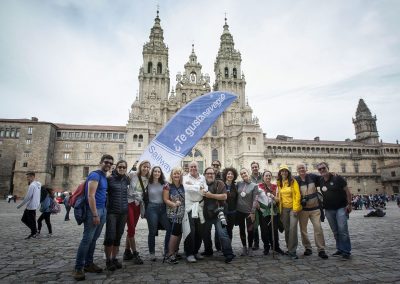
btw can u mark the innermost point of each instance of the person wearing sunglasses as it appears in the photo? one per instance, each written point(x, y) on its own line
point(337, 204)
point(96, 192)
point(117, 210)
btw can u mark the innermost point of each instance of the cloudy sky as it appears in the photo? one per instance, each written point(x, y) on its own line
point(306, 62)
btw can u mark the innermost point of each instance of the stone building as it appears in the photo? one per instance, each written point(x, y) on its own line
point(63, 154)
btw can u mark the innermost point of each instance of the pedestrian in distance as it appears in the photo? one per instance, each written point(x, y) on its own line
point(46, 211)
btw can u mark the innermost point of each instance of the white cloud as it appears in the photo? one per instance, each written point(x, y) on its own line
point(78, 61)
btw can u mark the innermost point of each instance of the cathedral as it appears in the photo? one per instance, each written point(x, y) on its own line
point(62, 155)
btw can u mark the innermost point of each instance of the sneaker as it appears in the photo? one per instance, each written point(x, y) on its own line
point(117, 264)
point(266, 251)
point(153, 257)
point(78, 275)
point(198, 256)
point(279, 251)
point(345, 256)
point(93, 268)
point(244, 251)
point(178, 256)
point(66, 219)
point(255, 247)
point(127, 255)
point(293, 255)
point(49, 235)
point(307, 252)
point(136, 258)
point(322, 254)
point(229, 258)
point(337, 253)
point(31, 237)
point(110, 265)
point(171, 260)
point(191, 259)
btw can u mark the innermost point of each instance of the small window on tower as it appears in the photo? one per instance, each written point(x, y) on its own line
point(149, 67)
point(226, 72)
point(159, 68)
point(234, 73)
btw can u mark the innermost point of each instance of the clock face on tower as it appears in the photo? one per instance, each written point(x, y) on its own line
point(193, 77)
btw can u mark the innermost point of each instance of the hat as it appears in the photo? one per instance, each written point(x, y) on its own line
point(30, 173)
point(283, 167)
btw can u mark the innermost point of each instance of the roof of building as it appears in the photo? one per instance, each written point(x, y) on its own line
point(63, 126)
point(291, 141)
point(391, 165)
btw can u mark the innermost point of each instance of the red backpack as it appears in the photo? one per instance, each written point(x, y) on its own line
point(79, 191)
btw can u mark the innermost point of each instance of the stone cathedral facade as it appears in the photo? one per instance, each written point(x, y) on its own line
point(63, 154)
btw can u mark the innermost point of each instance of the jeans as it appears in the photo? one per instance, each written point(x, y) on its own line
point(224, 239)
point(157, 213)
point(91, 233)
point(46, 217)
point(269, 232)
point(67, 209)
point(338, 222)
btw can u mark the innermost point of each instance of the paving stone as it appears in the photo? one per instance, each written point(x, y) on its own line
point(51, 260)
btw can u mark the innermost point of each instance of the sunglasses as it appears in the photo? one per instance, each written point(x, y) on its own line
point(121, 167)
point(108, 163)
point(322, 169)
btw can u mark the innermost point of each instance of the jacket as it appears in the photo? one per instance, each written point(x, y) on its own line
point(296, 196)
point(117, 194)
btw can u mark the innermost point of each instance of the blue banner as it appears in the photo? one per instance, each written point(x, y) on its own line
point(184, 129)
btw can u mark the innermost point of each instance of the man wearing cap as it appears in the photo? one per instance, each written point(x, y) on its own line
point(337, 204)
point(308, 183)
point(32, 201)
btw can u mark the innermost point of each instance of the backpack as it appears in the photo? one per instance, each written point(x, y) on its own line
point(55, 208)
point(78, 201)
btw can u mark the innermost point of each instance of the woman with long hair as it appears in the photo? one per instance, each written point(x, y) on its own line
point(229, 176)
point(139, 180)
point(117, 210)
point(245, 210)
point(45, 209)
point(269, 214)
point(174, 198)
point(156, 212)
point(289, 205)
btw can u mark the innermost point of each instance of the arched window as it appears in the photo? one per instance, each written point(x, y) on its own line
point(184, 97)
point(149, 67)
point(214, 155)
point(135, 138)
point(234, 73)
point(214, 131)
point(253, 141)
point(248, 141)
point(140, 138)
point(159, 68)
point(226, 72)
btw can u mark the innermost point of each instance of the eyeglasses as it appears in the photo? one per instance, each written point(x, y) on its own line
point(108, 163)
point(122, 167)
point(216, 165)
point(210, 173)
point(322, 169)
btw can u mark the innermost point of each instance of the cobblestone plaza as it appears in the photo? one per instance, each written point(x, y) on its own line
point(375, 257)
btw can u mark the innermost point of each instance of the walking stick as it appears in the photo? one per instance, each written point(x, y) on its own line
point(172, 228)
point(273, 231)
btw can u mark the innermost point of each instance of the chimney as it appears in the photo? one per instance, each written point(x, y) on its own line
point(316, 138)
point(34, 119)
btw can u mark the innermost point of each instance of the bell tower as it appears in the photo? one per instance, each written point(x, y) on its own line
point(365, 125)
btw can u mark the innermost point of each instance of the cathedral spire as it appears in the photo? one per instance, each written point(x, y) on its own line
point(365, 124)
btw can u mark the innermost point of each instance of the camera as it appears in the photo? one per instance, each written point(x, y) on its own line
point(221, 215)
point(304, 200)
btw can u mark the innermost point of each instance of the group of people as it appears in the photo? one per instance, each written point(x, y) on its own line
point(188, 204)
